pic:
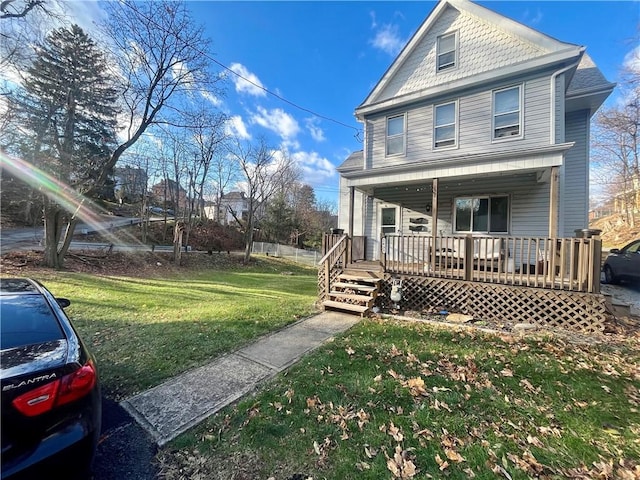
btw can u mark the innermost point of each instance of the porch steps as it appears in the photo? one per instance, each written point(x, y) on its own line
point(361, 309)
point(354, 292)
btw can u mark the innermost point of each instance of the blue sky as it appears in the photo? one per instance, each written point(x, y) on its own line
point(327, 56)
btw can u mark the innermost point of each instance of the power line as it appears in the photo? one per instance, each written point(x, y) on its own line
point(266, 90)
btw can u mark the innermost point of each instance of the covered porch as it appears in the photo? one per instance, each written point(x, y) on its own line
point(539, 280)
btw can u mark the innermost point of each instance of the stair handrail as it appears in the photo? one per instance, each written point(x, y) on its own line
point(333, 249)
point(328, 262)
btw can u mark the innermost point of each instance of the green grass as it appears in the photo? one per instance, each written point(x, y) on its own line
point(145, 330)
point(532, 408)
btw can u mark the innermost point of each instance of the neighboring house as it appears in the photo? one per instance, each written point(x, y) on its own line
point(170, 195)
point(627, 201)
point(233, 206)
point(130, 183)
point(480, 126)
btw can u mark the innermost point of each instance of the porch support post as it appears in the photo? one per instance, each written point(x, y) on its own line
point(434, 220)
point(352, 194)
point(554, 197)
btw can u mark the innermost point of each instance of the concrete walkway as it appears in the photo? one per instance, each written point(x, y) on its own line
point(173, 407)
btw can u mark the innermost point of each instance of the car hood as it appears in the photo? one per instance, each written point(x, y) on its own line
point(28, 359)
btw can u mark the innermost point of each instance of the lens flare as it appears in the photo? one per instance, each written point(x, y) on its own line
point(82, 208)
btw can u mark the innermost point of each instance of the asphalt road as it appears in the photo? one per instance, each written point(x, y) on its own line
point(30, 238)
point(125, 451)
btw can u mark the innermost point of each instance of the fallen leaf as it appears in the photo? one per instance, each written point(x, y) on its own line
point(396, 433)
point(454, 456)
point(442, 463)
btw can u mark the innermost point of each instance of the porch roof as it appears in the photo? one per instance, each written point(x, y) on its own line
point(455, 167)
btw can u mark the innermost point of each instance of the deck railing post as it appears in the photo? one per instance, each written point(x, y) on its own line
point(468, 257)
point(596, 258)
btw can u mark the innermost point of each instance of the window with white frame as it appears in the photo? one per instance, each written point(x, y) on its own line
point(507, 113)
point(395, 138)
point(446, 51)
point(487, 214)
point(445, 131)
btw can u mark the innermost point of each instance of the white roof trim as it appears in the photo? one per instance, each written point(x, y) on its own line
point(424, 170)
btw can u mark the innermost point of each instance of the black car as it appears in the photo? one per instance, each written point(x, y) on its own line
point(51, 403)
point(623, 263)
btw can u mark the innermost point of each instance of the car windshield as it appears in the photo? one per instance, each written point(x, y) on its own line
point(25, 320)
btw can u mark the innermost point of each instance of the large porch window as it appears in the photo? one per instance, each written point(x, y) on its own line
point(488, 214)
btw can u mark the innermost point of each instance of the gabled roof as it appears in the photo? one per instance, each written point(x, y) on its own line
point(413, 70)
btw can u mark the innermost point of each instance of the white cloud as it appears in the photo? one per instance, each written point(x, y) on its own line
point(251, 86)
point(278, 121)
point(533, 18)
point(388, 39)
point(235, 126)
point(315, 168)
point(215, 101)
point(316, 132)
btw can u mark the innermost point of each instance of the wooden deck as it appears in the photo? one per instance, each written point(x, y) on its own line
point(548, 282)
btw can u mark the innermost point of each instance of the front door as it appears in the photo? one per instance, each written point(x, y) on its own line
point(388, 222)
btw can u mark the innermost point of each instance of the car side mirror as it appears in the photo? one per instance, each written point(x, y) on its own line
point(63, 302)
point(614, 250)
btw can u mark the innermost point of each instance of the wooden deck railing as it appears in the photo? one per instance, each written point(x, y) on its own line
point(553, 263)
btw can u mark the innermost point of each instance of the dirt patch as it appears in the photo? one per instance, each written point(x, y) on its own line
point(139, 264)
point(616, 231)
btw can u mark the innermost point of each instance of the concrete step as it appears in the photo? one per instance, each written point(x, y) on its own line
point(361, 309)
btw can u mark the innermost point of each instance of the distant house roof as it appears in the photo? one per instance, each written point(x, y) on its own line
point(233, 196)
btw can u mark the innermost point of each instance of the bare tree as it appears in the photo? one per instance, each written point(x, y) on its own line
point(264, 173)
point(159, 52)
point(207, 129)
point(616, 148)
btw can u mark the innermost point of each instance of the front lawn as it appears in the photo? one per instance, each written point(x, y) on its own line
point(395, 399)
point(144, 329)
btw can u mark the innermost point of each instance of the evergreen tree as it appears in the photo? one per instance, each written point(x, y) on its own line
point(67, 108)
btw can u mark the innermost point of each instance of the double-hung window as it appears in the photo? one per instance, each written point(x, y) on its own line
point(445, 131)
point(488, 214)
point(446, 52)
point(507, 113)
point(396, 136)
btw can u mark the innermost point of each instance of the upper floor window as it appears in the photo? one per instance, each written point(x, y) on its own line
point(396, 134)
point(488, 214)
point(445, 125)
point(446, 51)
point(507, 113)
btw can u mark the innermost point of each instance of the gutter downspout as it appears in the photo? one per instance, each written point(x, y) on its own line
point(552, 115)
point(554, 226)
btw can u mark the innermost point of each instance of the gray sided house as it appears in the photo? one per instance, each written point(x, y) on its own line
point(479, 127)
